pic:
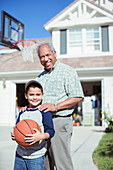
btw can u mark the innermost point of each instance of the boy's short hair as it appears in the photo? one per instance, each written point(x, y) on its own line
point(33, 83)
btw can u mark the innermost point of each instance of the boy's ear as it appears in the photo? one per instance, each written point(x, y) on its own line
point(25, 95)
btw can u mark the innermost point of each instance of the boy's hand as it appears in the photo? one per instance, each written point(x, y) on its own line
point(33, 138)
point(12, 135)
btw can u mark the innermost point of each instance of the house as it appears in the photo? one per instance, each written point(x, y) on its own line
point(82, 35)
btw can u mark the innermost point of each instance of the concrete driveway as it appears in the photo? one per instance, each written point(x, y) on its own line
point(84, 141)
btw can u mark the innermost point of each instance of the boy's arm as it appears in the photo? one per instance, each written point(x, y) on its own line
point(18, 119)
point(34, 138)
point(48, 130)
point(48, 124)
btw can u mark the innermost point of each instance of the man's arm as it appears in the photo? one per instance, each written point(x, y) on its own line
point(69, 102)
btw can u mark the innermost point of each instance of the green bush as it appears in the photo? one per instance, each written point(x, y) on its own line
point(109, 120)
point(103, 154)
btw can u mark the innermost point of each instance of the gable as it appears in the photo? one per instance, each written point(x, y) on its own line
point(80, 12)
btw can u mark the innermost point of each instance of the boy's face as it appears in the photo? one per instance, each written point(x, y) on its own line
point(34, 96)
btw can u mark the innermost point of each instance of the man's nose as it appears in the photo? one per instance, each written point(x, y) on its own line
point(46, 58)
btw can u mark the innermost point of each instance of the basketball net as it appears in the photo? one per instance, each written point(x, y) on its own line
point(27, 47)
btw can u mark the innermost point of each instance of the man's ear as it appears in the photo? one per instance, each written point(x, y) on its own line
point(55, 54)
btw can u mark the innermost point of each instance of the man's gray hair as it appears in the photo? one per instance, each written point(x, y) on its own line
point(46, 43)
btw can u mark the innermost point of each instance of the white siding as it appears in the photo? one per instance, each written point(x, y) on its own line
point(56, 40)
point(111, 38)
point(105, 3)
point(7, 103)
point(108, 95)
point(108, 4)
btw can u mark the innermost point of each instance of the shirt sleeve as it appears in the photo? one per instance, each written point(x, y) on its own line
point(48, 124)
point(18, 119)
point(72, 84)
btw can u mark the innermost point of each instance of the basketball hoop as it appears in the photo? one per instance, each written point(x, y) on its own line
point(26, 47)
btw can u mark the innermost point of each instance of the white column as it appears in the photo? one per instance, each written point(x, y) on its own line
point(107, 95)
point(7, 103)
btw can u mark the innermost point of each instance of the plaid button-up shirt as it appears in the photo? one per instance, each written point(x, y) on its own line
point(60, 83)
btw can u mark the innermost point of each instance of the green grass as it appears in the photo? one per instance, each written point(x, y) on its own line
point(103, 154)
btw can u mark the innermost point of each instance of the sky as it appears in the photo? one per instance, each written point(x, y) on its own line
point(33, 14)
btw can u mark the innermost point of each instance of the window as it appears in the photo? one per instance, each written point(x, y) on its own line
point(85, 39)
point(75, 37)
point(93, 39)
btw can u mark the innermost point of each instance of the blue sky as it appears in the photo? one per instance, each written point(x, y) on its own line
point(34, 14)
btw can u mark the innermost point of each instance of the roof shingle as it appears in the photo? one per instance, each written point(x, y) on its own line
point(14, 61)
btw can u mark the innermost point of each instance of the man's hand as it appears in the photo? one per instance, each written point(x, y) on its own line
point(69, 102)
point(23, 108)
point(47, 107)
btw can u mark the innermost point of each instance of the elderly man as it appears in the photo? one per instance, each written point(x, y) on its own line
point(62, 90)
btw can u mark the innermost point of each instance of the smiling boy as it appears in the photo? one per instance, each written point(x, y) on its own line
point(33, 157)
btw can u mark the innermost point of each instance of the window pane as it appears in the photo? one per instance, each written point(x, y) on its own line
point(75, 37)
point(96, 35)
point(93, 38)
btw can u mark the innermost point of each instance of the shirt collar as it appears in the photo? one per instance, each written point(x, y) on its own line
point(28, 109)
point(56, 63)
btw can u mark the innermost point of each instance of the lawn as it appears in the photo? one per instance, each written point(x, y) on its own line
point(103, 154)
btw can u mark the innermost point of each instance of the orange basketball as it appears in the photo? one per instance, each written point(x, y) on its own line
point(25, 127)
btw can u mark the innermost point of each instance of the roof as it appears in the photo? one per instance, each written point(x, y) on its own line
point(73, 3)
point(14, 61)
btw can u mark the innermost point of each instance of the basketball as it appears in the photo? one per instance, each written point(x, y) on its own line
point(25, 127)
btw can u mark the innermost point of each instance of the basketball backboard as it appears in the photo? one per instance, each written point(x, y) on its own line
point(12, 30)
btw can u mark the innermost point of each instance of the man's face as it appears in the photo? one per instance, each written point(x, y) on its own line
point(47, 57)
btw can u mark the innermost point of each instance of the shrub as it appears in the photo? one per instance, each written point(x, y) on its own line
point(109, 120)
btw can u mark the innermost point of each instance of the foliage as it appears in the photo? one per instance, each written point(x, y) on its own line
point(103, 154)
point(109, 120)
